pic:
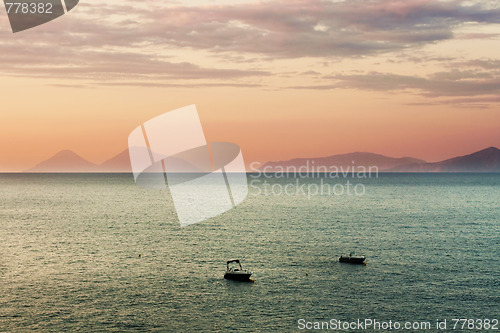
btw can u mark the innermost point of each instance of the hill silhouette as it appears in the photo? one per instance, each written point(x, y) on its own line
point(486, 160)
point(344, 161)
point(65, 161)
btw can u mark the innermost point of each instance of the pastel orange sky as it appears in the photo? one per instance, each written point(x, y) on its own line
point(283, 79)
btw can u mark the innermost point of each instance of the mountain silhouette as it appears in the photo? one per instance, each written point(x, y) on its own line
point(118, 163)
point(69, 161)
point(343, 161)
point(486, 160)
point(65, 161)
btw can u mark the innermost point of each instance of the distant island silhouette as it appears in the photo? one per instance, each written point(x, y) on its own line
point(69, 161)
point(486, 160)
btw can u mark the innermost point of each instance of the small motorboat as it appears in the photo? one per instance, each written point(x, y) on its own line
point(233, 272)
point(352, 258)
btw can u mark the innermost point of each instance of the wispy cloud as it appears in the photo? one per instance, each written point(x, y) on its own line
point(470, 103)
point(476, 83)
point(440, 84)
point(45, 61)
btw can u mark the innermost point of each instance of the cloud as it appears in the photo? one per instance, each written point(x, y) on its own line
point(282, 28)
point(474, 102)
point(131, 41)
point(173, 85)
point(76, 48)
point(454, 83)
point(46, 61)
point(476, 84)
point(317, 28)
point(488, 64)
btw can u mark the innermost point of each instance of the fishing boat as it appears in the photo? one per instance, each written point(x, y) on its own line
point(236, 272)
point(352, 258)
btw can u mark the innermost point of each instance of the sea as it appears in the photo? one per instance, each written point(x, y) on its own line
point(96, 253)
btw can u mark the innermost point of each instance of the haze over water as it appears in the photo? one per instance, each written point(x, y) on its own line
point(70, 245)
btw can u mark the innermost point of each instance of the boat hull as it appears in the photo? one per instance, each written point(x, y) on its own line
point(238, 277)
point(353, 260)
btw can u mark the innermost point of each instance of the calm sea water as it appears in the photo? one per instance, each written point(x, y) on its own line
point(70, 245)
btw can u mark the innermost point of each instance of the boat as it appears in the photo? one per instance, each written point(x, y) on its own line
point(235, 273)
point(352, 258)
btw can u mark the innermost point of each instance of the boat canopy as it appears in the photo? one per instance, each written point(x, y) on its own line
point(236, 261)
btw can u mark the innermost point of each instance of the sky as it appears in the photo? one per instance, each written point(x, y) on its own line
point(283, 79)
